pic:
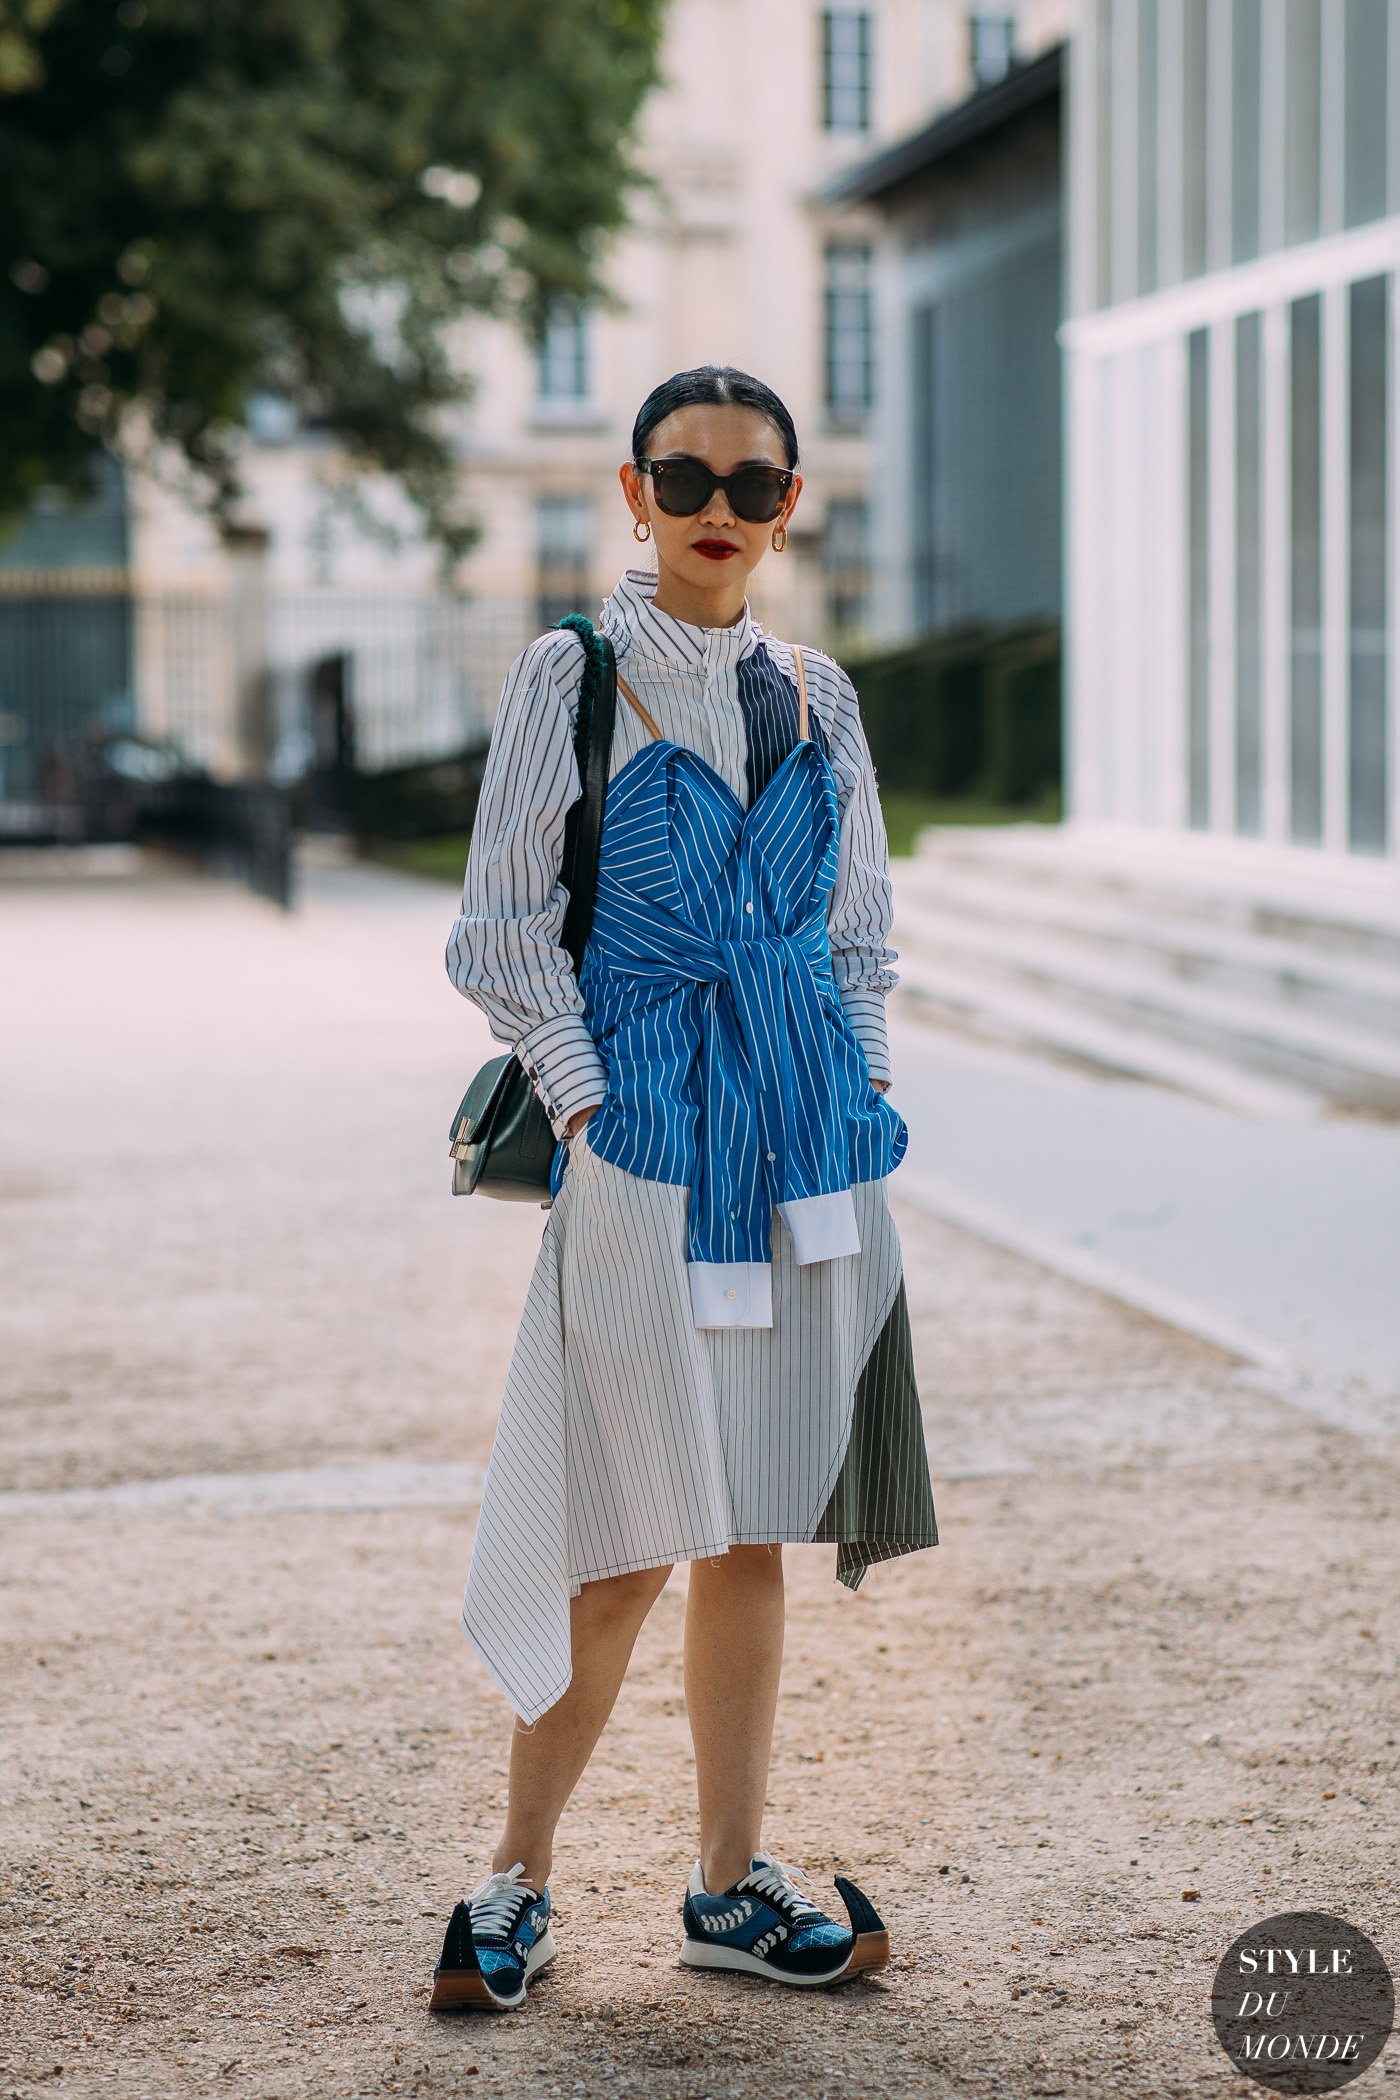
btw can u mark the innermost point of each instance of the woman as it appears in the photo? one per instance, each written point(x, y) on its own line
point(714, 1356)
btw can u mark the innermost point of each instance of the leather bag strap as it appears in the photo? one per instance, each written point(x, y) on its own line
point(637, 706)
point(583, 827)
point(800, 666)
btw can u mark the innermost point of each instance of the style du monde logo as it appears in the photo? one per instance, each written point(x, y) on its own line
point(1303, 2002)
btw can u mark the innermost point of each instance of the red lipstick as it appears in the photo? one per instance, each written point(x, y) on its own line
point(715, 550)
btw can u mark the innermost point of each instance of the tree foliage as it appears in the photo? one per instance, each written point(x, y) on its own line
point(208, 199)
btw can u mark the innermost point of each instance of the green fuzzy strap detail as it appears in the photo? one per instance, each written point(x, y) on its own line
point(594, 668)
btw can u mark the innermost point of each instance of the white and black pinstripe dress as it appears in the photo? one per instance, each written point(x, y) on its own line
point(629, 1435)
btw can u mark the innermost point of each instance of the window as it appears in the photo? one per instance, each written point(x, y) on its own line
point(564, 535)
point(1305, 570)
point(1195, 195)
point(1249, 574)
point(1368, 556)
point(847, 52)
point(563, 358)
point(1366, 63)
point(847, 563)
point(849, 331)
point(1302, 119)
point(993, 36)
point(1246, 121)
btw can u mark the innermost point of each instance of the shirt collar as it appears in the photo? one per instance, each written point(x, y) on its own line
point(630, 621)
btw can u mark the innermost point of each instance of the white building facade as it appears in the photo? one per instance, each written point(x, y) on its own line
point(1233, 444)
point(733, 258)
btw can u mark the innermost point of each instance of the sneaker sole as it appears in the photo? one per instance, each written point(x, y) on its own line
point(871, 1951)
point(466, 1990)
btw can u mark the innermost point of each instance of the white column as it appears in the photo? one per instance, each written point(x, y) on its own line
point(1123, 573)
point(1335, 609)
point(1085, 607)
point(1393, 549)
point(1170, 723)
point(1108, 500)
point(1222, 576)
point(1148, 608)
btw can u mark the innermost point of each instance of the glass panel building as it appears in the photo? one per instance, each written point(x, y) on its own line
point(1232, 372)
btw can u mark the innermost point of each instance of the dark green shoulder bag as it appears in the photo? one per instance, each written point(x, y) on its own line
point(502, 1144)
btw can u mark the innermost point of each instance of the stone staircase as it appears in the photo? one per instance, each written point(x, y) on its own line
point(1230, 974)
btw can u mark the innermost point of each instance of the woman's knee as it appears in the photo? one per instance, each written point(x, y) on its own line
point(744, 1564)
point(620, 1598)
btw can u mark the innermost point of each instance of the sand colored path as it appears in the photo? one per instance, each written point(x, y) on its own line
point(250, 1352)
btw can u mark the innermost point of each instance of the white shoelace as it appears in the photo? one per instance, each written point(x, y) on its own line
point(495, 1906)
point(777, 1880)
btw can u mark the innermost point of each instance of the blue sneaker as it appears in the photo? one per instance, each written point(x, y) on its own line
point(496, 1941)
point(765, 1926)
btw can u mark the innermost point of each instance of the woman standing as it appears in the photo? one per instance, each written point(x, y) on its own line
point(714, 1357)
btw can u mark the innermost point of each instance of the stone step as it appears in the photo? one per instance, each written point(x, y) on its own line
point(1338, 908)
point(1345, 1066)
point(1295, 975)
point(1008, 1014)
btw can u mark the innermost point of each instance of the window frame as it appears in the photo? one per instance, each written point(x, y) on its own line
point(846, 411)
point(553, 354)
point(861, 87)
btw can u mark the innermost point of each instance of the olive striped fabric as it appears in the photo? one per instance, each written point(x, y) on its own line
point(882, 1503)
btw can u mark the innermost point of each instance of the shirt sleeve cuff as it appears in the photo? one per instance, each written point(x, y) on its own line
point(865, 1010)
point(562, 1059)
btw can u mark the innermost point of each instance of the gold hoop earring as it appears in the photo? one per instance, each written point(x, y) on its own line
point(642, 529)
point(779, 538)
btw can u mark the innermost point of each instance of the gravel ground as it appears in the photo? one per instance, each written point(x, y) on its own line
point(1141, 1696)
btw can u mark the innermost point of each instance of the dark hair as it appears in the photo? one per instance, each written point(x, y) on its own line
point(712, 383)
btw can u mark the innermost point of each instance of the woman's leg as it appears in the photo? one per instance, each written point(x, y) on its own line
point(547, 1759)
point(733, 1660)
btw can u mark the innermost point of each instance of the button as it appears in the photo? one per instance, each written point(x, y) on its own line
point(731, 1293)
point(772, 1155)
point(749, 908)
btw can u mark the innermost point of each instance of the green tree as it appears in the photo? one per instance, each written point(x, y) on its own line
point(208, 199)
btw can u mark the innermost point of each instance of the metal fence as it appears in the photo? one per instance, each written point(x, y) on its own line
point(424, 671)
point(224, 683)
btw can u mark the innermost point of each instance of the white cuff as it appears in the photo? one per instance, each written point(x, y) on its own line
point(822, 1227)
point(562, 1059)
point(731, 1293)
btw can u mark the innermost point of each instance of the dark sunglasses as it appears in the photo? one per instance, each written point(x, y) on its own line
point(756, 492)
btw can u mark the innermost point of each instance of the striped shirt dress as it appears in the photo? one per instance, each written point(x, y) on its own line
point(715, 1344)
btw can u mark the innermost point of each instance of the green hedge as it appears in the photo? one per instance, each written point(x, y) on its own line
point(428, 799)
point(973, 712)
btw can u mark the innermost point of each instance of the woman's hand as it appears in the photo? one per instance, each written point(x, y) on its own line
point(577, 1122)
point(882, 1085)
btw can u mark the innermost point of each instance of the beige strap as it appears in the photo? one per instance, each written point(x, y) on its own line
point(801, 669)
point(635, 704)
point(799, 666)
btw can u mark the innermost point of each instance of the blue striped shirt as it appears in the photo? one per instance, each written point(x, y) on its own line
point(725, 693)
point(729, 1063)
